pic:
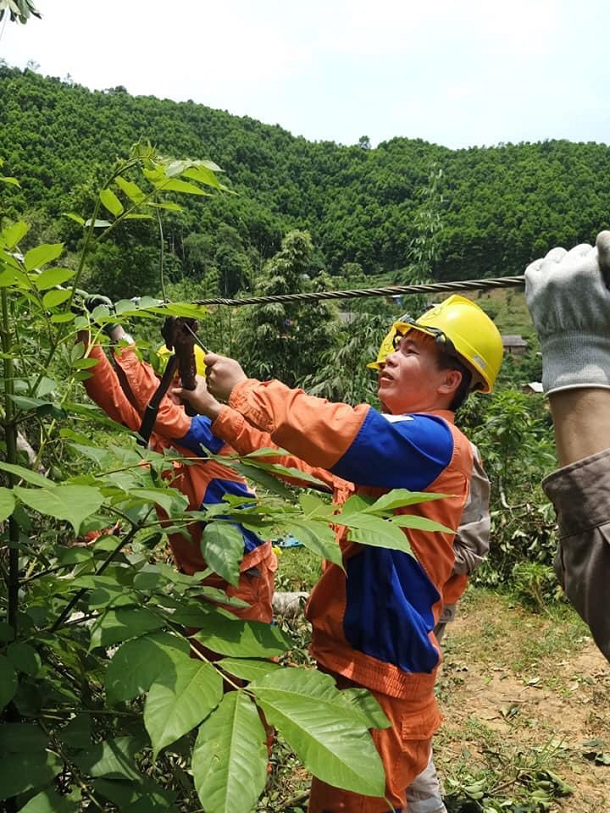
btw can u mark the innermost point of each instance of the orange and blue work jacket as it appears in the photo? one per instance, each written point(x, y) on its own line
point(123, 392)
point(373, 623)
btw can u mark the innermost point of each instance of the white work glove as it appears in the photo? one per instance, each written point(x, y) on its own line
point(569, 301)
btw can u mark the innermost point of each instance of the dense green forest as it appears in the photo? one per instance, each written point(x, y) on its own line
point(501, 206)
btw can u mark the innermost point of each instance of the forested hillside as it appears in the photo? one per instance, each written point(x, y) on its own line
point(502, 205)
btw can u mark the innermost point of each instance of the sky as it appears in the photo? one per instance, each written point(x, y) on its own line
point(455, 72)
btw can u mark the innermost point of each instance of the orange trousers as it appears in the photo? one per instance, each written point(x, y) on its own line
point(404, 749)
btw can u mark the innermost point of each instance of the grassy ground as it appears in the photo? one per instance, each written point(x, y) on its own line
point(525, 698)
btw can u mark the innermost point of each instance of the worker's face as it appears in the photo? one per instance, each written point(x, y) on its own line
point(410, 380)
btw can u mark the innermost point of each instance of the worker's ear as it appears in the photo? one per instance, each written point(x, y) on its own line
point(450, 381)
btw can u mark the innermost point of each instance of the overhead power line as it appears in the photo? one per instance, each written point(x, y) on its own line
point(361, 293)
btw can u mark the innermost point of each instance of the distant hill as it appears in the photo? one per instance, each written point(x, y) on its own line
point(504, 205)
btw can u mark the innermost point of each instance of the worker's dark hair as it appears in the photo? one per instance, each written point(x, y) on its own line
point(447, 361)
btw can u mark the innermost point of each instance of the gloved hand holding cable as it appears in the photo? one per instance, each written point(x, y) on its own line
point(569, 301)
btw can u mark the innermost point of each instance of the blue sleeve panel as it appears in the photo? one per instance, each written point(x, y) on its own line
point(389, 609)
point(201, 433)
point(214, 493)
point(397, 451)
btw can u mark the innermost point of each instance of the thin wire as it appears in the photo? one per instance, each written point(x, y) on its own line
point(361, 293)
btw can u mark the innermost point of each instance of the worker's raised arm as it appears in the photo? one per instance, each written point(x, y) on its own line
point(568, 296)
point(104, 388)
point(357, 444)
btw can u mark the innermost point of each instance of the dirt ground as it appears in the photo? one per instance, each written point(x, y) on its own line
point(523, 692)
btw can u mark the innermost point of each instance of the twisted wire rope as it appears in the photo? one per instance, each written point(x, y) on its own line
point(361, 293)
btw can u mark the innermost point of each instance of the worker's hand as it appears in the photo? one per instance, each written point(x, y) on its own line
point(222, 374)
point(568, 296)
point(200, 398)
point(93, 301)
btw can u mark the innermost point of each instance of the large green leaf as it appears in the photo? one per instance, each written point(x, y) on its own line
point(123, 623)
point(318, 537)
point(112, 758)
point(111, 202)
point(25, 772)
point(49, 801)
point(184, 187)
point(15, 233)
point(27, 474)
point(51, 277)
point(7, 503)
point(230, 757)
point(144, 796)
point(222, 547)
point(41, 255)
point(327, 734)
point(419, 523)
point(72, 503)
point(54, 298)
point(371, 530)
point(179, 701)
point(137, 664)
point(170, 500)
point(15, 737)
point(248, 669)
point(399, 497)
point(373, 716)
point(132, 190)
point(242, 639)
point(8, 681)
point(24, 658)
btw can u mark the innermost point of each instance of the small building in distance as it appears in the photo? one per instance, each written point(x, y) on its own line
point(513, 344)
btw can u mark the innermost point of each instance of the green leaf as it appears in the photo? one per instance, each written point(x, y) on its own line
point(230, 756)
point(180, 700)
point(370, 530)
point(15, 233)
point(25, 772)
point(144, 796)
point(72, 503)
point(7, 503)
point(288, 471)
point(8, 681)
point(222, 547)
point(137, 216)
point(264, 479)
point(132, 190)
point(419, 523)
point(136, 665)
point(170, 500)
point(49, 801)
point(9, 180)
point(203, 175)
point(400, 497)
point(241, 639)
point(373, 716)
point(111, 202)
point(62, 318)
point(112, 758)
point(27, 474)
point(76, 218)
point(327, 734)
point(176, 185)
point(54, 298)
point(41, 255)
point(247, 669)
point(51, 277)
point(318, 537)
point(167, 205)
point(15, 737)
point(123, 623)
point(24, 658)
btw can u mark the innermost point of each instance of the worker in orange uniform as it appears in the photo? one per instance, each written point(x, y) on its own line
point(373, 625)
point(123, 390)
point(471, 547)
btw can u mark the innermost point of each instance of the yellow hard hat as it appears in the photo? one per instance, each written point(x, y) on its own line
point(466, 329)
point(164, 355)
